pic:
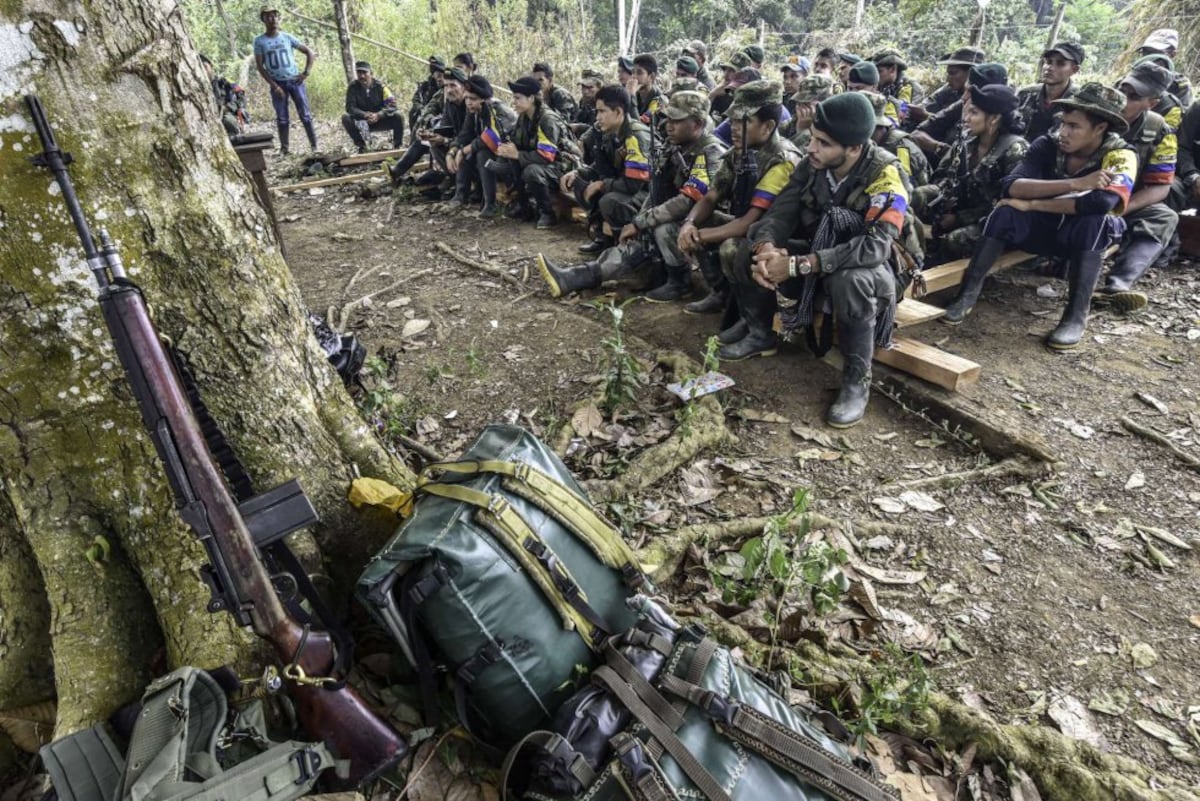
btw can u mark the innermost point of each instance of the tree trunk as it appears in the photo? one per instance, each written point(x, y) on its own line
point(230, 31)
point(106, 573)
point(343, 29)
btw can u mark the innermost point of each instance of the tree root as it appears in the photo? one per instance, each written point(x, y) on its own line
point(1013, 466)
point(705, 428)
point(1062, 768)
point(1152, 435)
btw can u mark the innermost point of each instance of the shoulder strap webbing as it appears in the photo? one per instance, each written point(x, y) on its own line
point(791, 750)
point(182, 713)
point(84, 766)
point(283, 772)
point(548, 572)
point(696, 772)
point(572, 512)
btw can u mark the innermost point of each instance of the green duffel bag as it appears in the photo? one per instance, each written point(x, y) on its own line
point(506, 578)
point(673, 715)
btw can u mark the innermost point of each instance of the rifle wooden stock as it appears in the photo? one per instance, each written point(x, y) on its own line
point(338, 716)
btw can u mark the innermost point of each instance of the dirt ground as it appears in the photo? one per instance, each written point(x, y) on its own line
point(1041, 591)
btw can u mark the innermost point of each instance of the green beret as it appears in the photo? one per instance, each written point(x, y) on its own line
point(864, 72)
point(688, 65)
point(849, 58)
point(848, 118)
point(756, 53)
point(748, 99)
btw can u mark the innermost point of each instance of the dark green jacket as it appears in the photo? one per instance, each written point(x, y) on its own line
point(690, 172)
point(622, 160)
point(541, 140)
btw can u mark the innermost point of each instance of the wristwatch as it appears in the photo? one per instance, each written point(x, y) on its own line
point(798, 266)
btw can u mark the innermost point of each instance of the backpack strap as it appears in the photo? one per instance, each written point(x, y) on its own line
point(687, 761)
point(559, 502)
point(556, 746)
point(791, 750)
point(182, 713)
point(283, 772)
point(84, 766)
point(542, 565)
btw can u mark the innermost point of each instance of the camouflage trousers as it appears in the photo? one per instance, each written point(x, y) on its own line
point(623, 259)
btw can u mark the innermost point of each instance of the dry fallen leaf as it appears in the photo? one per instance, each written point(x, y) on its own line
point(1076, 722)
point(587, 420)
point(414, 327)
point(1137, 480)
point(30, 727)
point(1195, 621)
point(812, 435)
point(890, 505)
point(921, 501)
point(884, 576)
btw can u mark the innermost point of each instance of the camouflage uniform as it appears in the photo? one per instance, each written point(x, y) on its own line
point(813, 89)
point(1187, 166)
point(623, 163)
point(941, 98)
point(897, 142)
point(1040, 117)
point(903, 91)
point(563, 103)
point(969, 192)
point(539, 164)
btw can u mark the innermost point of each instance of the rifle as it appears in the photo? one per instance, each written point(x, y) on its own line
point(746, 177)
point(327, 708)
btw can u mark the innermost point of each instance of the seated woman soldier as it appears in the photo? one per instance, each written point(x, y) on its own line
point(967, 181)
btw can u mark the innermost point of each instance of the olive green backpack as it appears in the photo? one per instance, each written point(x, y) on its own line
point(505, 578)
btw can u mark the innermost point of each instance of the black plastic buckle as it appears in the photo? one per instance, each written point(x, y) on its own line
point(487, 656)
point(308, 762)
point(538, 549)
point(718, 708)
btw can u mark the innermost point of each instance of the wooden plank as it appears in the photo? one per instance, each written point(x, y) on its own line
point(929, 363)
point(1189, 235)
point(341, 179)
point(949, 275)
point(372, 157)
point(913, 312)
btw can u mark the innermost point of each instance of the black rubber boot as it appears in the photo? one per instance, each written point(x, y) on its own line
point(487, 182)
point(733, 333)
point(1084, 271)
point(677, 287)
point(284, 136)
point(985, 255)
point(1131, 264)
point(312, 135)
point(545, 203)
point(856, 341)
point(758, 312)
point(718, 286)
point(565, 280)
point(600, 243)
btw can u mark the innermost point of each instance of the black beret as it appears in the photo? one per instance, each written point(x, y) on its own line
point(994, 98)
point(985, 74)
point(528, 86)
point(480, 87)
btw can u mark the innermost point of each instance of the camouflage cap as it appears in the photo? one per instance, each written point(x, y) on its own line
point(739, 60)
point(696, 48)
point(750, 98)
point(814, 89)
point(688, 65)
point(437, 63)
point(1102, 101)
point(686, 84)
point(687, 105)
point(1163, 39)
point(455, 73)
point(591, 78)
point(890, 57)
point(880, 104)
point(1147, 79)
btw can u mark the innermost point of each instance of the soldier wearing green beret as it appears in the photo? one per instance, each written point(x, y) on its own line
point(829, 237)
point(967, 182)
point(895, 141)
point(894, 84)
point(756, 55)
point(682, 177)
point(812, 90)
point(751, 175)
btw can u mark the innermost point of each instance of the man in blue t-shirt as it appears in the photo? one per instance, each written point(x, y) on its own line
point(275, 62)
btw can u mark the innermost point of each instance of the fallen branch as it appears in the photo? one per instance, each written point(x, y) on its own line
point(1152, 435)
point(344, 317)
point(341, 179)
point(487, 268)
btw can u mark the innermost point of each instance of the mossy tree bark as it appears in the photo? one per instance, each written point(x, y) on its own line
point(103, 579)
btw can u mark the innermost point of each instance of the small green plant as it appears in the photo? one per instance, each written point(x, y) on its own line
point(624, 375)
point(898, 686)
point(712, 356)
point(388, 411)
point(772, 563)
point(476, 366)
point(685, 413)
